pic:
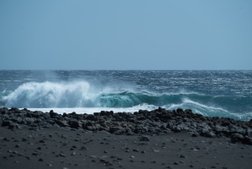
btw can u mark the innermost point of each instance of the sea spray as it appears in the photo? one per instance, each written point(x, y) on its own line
point(49, 94)
point(84, 94)
point(211, 93)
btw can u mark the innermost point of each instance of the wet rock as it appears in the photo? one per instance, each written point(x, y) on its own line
point(4, 110)
point(61, 123)
point(29, 121)
point(74, 124)
point(236, 137)
point(9, 124)
point(53, 114)
point(91, 117)
point(220, 129)
point(159, 121)
point(180, 110)
point(247, 140)
point(6, 123)
point(249, 132)
point(116, 130)
point(208, 134)
point(180, 127)
point(106, 113)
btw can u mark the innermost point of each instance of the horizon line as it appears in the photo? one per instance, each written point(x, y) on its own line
point(125, 69)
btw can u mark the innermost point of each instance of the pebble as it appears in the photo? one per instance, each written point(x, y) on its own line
point(132, 157)
point(49, 165)
point(62, 155)
point(182, 156)
point(175, 163)
point(144, 138)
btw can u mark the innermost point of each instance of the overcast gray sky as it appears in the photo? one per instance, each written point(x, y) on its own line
point(132, 34)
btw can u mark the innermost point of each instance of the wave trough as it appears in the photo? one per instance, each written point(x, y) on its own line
point(82, 94)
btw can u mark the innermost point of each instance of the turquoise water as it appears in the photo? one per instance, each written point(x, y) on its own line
point(211, 93)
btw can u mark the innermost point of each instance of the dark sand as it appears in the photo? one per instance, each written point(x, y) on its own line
point(29, 146)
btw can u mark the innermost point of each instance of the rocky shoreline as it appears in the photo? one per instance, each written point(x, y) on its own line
point(158, 139)
point(156, 122)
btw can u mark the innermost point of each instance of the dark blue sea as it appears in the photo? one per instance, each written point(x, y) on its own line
point(211, 93)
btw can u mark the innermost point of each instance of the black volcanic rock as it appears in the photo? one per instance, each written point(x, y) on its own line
point(74, 124)
point(158, 122)
point(61, 123)
point(144, 138)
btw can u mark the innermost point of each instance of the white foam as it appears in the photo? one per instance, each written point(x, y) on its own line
point(180, 92)
point(209, 110)
point(52, 94)
point(64, 94)
point(84, 97)
point(91, 110)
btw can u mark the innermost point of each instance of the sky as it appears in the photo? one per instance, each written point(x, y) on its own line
point(126, 35)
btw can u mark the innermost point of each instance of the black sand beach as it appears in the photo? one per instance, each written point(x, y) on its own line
point(144, 139)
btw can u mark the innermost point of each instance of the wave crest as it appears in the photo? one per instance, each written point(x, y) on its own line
point(83, 94)
point(49, 94)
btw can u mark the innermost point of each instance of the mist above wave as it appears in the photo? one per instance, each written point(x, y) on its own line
point(83, 94)
point(51, 94)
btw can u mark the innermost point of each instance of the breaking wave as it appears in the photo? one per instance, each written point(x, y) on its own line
point(82, 94)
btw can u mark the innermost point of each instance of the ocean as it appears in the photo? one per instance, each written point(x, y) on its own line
point(210, 93)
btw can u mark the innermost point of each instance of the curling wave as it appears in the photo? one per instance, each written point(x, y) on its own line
point(83, 94)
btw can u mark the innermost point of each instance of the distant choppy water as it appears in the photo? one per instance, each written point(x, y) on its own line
point(211, 93)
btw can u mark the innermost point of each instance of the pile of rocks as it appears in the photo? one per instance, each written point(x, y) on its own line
point(155, 122)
